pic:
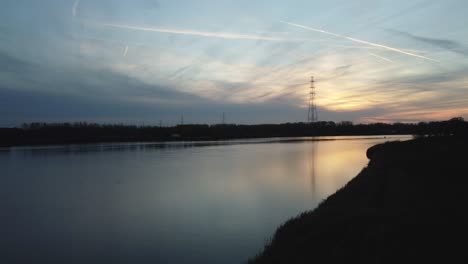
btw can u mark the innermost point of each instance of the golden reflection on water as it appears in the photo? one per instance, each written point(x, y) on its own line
point(313, 164)
point(331, 164)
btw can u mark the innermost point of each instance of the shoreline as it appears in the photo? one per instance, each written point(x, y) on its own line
point(213, 142)
point(408, 204)
point(57, 142)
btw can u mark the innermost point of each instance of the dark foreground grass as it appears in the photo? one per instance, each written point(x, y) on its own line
point(410, 205)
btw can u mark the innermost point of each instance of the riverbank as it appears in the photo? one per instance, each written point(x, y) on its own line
point(408, 204)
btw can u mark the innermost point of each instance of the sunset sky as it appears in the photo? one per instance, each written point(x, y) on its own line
point(143, 61)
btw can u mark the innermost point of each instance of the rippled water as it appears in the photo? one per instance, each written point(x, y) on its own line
point(192, 202)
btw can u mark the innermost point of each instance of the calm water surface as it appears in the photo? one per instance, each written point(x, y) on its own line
point(204, 202)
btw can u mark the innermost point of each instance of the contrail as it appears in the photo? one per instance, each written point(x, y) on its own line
point(380, 57)
point(125, 51)
point(75, 7)
point(361, 41)
point(223, 35)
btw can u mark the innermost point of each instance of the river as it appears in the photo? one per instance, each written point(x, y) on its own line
point(181, 202)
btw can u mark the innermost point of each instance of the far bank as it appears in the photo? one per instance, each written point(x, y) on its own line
point(82, 132)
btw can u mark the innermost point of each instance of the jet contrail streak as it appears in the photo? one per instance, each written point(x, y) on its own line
point(380, 57)
point(75, 7)
point(223, 35)
point(360, 41)
point(125, 51)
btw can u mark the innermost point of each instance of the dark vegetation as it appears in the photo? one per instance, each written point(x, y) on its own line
point(408, 206)
point(65, 133)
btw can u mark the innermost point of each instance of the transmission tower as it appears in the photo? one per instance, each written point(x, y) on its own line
point(312, 114)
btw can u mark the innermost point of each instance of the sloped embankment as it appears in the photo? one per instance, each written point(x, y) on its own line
point(409, 204)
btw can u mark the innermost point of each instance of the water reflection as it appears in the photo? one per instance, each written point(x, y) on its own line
point(72, 149)
point(184, 202)
point(313, 158)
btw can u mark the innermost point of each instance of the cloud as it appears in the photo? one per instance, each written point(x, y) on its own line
point(367, 43)
point(11, 64)
point(89, 95)
point(189, 32)
point(100, 95)
point(440, 43)
point(125, 51)
point(380, 57)
point(431, 78)
point(180, 73)
point(83, 81)
point(150, 4)
point(75, 7)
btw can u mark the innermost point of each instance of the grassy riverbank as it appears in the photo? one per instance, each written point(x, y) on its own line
point(409, 204)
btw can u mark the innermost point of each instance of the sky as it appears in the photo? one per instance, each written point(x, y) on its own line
point(151, 61)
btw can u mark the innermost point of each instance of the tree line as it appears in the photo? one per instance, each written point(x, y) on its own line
point(82, 132)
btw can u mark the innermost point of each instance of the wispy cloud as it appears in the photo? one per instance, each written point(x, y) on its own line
point(380, 57)
point(75, 7)
point(440, 43)
point(223, 35)
point(368, 43)
point(125, 51)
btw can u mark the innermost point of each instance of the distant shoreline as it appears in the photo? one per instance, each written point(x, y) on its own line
point(407, 205)
point(203, 143)
point(82, 133)
point(274, 139)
